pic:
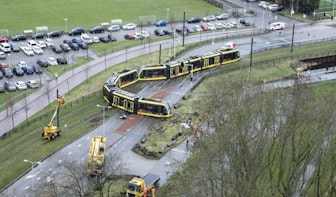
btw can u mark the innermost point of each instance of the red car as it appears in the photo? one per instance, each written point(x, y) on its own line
point(129, 37)
point(3, 39)
point(204, 27)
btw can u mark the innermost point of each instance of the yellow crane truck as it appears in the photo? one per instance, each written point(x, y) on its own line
point(96, 157)
point(50, 131)
point(143, 187)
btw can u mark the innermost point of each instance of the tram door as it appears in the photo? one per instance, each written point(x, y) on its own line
point(115, 100)
point(128, 105)
point(206, 62)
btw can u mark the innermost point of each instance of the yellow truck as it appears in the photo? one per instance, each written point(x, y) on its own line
point(50, 131)
point(143, 187)
point(96, 157)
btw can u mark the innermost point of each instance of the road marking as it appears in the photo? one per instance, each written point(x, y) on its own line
point(79, 145)
point(26, 187)
point(69, 153)
point(38, 178)
point(60, 161)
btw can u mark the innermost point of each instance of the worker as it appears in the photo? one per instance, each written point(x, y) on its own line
point(145, 192)
point(195, 128)
point(153, 192)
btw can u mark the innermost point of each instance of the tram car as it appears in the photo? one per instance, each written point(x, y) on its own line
point(132, 103)
point(184, 66)
point(115, 96)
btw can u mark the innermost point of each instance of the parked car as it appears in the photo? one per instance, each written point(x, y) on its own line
point(57, 48)
point(167, 32)
point(15, 47)
point(20, 85)
point(211, 26)
point(17, 70)
point(129, 26)
point(159, 32)
point(2, 66)
point(161, 23)
point(28, 70)
point(194, 20)
point(197, 28)
point(97, 29)
point(32, 84)
point(39, 36)
point(278, 9)
point(190, 29)
point(104, 39)
point(76, 40)
point(180, 30)
point(37, 50)
point(76, 31)
point(7, 72)
point(50, 42)
point(54, 34)
point(245, 21)
point(61, 60)
point(31, 43)
point(86, 38)
point(5, 47)
point(209, 18)
point(9, 86)
point(65, 47)
point(42, 63)
point(82, 45)
point(272, 6)
point(129, 37)
point(37, 68)
point(22, 64)
point(3, 39)
point(28, 51)
point(95, 39)
point(1, 75)
point(3, 55)
point(112, 38)
point(19, 37)
point(41, 44)
point(113, 28)
point(204, 27)
point(52, 61)
point(219, 25)
point(222, 17)
point(74, 46)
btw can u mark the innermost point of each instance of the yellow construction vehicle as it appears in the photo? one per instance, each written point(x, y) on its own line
point(51, 131)
point(96, 157)
point(143, 187)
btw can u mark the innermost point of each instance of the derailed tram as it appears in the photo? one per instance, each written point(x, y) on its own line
point(156, 107)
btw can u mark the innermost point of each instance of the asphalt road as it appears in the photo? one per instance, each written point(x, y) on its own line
point(168, 164)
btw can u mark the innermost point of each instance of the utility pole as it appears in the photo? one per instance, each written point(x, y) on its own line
point(251, 52)
point(183, 29)
point(292, 38)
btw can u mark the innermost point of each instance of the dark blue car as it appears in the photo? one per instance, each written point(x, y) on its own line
point(161, 23)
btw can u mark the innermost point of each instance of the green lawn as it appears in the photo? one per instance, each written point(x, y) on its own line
point(18, 15)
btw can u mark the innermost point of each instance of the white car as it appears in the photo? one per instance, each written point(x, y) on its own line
point(86, 38)
point(219, 25)
point(20, 85)
point(41, 44)
point(31, 43)
point(52, 61)
point(129, 26)
point(222, 17)
point(145, 34)
point(50, 42)
point(197, 28)
point(95, 39)
point(138, 35)
point(211, 26)
point(22, 64)
point(37, 50)
point(32, 84)
point(272, 6)
point(113, 28)
point(3, 55)
point(28, 51)
point(22, 45)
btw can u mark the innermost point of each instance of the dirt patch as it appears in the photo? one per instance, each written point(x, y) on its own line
point(163, 93)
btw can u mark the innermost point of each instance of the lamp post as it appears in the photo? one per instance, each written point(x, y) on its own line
point(32, 166)
point(66, 24)
point(167, 14)
point(104, 107)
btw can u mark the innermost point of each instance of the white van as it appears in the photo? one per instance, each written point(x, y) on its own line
point(31, 43)
point(5, 47)
point(276, 26)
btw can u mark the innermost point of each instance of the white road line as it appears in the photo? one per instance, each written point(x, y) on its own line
point(181, 151)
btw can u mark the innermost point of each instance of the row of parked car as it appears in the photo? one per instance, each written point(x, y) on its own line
point(271, 7)
point(20, 69)
point(10, 86)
